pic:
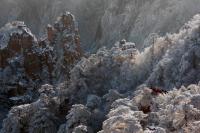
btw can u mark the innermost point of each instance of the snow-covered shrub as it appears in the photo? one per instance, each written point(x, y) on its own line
point(39, 116)
point(43, 121)
point(78, 115)
point(175, 111)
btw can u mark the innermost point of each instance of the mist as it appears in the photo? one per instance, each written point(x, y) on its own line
point(103, 22)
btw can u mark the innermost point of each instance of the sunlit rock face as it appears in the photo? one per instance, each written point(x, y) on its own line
point(15, 37)
point(19, 49)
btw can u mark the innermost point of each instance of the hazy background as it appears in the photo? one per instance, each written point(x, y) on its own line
point(103, 22)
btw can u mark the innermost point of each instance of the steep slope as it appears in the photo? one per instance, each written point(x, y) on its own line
point(122, 89)
point(176, 58)
point(134, 20)
point(103, 22)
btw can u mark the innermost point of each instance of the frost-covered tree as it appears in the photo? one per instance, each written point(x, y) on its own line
point(39, 116)
point(43, 121)
point(78, 115)
point(176, 111)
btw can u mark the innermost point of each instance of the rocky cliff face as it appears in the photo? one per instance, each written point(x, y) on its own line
point(28, 62)
point(64, 38)
point(19, 49)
